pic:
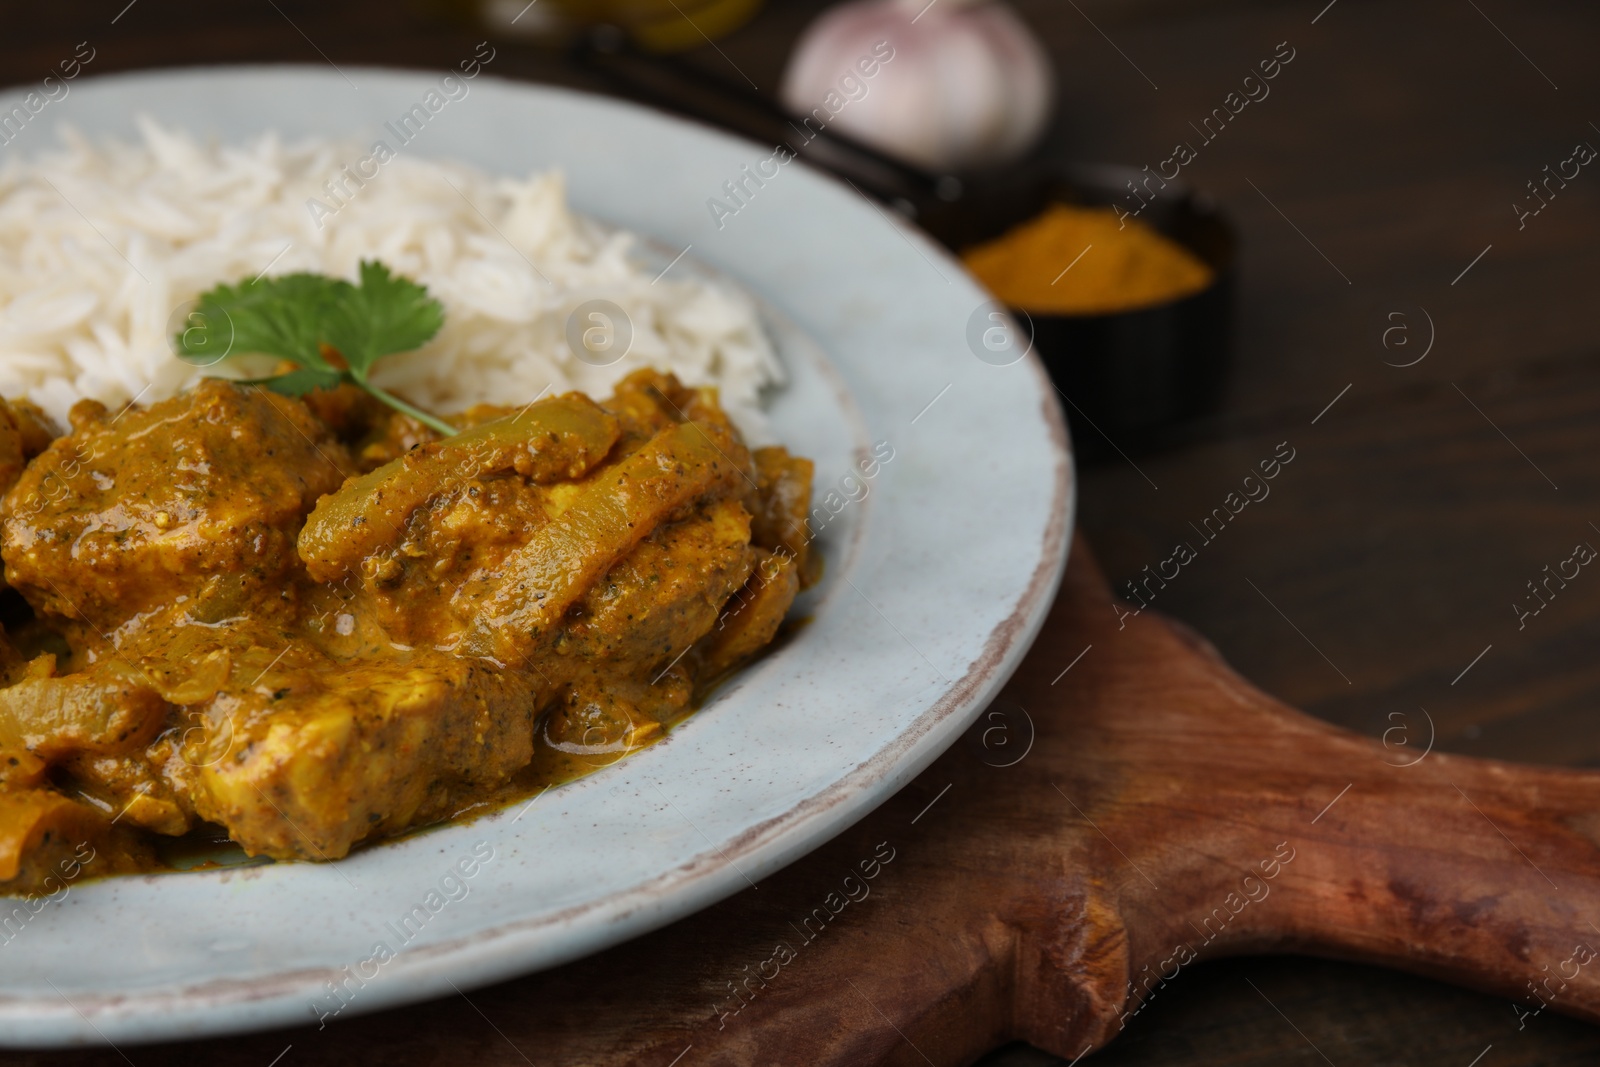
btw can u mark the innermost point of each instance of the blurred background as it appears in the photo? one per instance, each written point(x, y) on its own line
point(1390, 281)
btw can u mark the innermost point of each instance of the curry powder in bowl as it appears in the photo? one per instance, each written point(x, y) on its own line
point(1073, 260)
point(1126, 299)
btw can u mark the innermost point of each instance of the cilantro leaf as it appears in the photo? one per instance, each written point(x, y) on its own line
point(385, 314)
point(330, 330)
point(280, 317)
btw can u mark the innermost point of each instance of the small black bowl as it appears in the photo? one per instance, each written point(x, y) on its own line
point(1128, 376)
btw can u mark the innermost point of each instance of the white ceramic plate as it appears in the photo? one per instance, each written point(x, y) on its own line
point(937, 581)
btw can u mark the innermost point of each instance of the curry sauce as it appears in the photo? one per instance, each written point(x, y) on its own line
point(316, 623)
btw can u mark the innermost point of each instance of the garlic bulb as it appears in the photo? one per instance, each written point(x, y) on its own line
point(949, 85)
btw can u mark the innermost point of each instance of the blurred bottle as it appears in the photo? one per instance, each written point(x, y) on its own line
point(654, 25)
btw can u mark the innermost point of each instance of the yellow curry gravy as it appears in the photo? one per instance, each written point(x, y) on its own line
point(313, 623)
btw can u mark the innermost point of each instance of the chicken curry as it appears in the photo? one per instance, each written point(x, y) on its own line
point(316, 621)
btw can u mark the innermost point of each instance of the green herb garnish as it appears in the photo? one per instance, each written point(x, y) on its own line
point(331, 330)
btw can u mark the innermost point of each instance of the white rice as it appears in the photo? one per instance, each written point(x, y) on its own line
point(103, 243)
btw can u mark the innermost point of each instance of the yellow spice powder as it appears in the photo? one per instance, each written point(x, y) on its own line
point(1120, 265)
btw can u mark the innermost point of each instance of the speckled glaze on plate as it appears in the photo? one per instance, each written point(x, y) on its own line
point(938, 579)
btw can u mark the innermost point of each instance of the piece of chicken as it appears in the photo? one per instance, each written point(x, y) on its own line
point(320, 755)
point(128, 512)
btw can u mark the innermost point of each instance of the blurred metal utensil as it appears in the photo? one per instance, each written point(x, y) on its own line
point(608, 52)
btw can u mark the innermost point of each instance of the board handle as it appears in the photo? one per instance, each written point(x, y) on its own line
point(1314, 840)
point(1203, 818)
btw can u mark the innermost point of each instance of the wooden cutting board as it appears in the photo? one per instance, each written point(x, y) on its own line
point(1128, 806)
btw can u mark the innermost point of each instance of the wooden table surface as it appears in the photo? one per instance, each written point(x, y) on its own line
point(1379, 577)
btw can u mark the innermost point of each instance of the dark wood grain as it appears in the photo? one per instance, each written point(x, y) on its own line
point(1396, 143)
